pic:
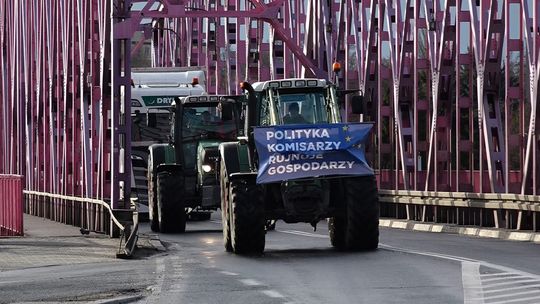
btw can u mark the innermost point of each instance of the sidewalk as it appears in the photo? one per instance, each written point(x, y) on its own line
point(48, 243)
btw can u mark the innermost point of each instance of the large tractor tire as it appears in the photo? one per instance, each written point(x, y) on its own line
point(358, 227)
point(170, 202)
point(246, 217)
point(224, 187)
point(152, 200)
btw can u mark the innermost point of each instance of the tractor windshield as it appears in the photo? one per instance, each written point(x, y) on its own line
point(298, 106)
point(203, 123)
point(206, 122)
point(302, 108)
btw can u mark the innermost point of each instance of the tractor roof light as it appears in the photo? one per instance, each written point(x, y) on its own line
point(312, 83)
point(273, 84)
point(286, 84)
point(246, 86)
point(336, 67)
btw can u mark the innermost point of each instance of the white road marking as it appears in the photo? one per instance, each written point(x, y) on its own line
point(160, 273)
point(514, 294)
point(472, 284)
point(475, 285)
point(515, 281)
point(176, 288)
point(250, 282)
point(532, 299)
point(13, 282)
point(229, 273)
point(302, 233)
point(508, 277)
point(512, 288)
point(498, 274)
point(273, 294)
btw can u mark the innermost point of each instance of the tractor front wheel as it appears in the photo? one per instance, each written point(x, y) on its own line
point(171, 210)
point(247, 219)
point(358, 227)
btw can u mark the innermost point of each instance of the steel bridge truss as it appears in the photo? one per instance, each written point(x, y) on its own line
point(452, 84)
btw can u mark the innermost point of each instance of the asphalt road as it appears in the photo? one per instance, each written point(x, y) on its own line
point(299, 266)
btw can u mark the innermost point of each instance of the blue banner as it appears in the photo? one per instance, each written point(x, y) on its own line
point(299, 151)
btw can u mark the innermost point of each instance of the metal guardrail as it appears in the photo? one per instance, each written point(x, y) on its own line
point(88, 214)
point(508, 211)
point(11, 205)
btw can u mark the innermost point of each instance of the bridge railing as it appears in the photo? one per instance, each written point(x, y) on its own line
point(504, 211)
point(88, 214)
point(11, 205)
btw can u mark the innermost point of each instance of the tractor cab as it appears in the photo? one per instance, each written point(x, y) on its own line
point(202, 122)
point(295, 101)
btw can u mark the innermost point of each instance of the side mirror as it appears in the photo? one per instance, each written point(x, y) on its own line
point(151, 120)
point(227, 109)
point(357, 104)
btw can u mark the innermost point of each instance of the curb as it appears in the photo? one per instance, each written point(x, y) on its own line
point(155, 242)
point(502, 234)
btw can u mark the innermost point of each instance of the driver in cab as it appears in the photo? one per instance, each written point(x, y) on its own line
point(206, 118)
point(294, 116)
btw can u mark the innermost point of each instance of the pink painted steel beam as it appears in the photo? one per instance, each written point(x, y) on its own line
point(65, 119)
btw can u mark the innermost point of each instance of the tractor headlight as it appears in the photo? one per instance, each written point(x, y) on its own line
point(207, 168)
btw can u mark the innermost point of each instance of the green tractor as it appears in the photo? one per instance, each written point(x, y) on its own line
point(182, 175)
point(298, 162)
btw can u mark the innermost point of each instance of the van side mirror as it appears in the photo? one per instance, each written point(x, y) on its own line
point(357, 104)
point(227, 109)
point(151, 120)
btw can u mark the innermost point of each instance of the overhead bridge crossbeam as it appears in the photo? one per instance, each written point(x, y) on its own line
point(451, 85)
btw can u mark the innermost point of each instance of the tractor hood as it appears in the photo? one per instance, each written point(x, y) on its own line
point(311, 150)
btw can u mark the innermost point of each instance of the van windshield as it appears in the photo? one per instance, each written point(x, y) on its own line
point(150, 127)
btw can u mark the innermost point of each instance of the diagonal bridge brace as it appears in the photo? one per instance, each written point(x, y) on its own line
point(267, 12)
